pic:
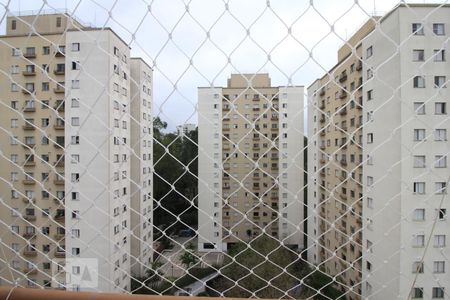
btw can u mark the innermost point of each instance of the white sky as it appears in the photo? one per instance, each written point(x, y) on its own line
point(171, 57)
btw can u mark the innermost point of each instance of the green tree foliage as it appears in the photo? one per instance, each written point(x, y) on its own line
point(269, 270)
point(174, 180)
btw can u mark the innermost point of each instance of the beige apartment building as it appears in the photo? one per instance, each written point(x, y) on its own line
point(65, 192)
point(250, 163)
point(335, 166)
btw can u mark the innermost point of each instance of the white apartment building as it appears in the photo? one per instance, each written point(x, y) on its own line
point(250, 163)
point(78, 81)
point(406, 73)
point(141, 166)
point(403, 132)
point(184, 129)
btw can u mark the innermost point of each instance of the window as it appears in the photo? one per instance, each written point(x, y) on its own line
point(439, 267)
point(58, 22)
point(417, 29)
point(16, 52)
point(417, 293)
point(75, 102)
point(417, 267)
point(419, 188)
point(45, 86)
point(13, 24)
point(13, 123)
point(440, 108)
point(419, 214)
point(419, 241)
point(419, 161)
point(419, 82)
point(440, 188)
point(75, 121)
point(439, 82)
point(439, 55)
point(418, 55)
point(75, 47)
point(369, 73)
point(440, 134)
point(75, 65)
point(75, 140)
point(75, 158)
point(14, 87)
point(439, 240)
point(440, 161)
point(369, 138)
point(46, 50)
point(439, 29)
point(369, 52)
point(442, 214)
point(15, 69)
point(75, 84)
point(419, 108)
point(438, 292)
point(419, 134)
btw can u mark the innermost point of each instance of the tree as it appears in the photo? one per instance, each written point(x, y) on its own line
point(188, 258)
point(174, 179)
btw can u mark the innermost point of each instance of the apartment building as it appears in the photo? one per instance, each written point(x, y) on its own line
point(379, 172)
point(335, 165)
point(184, 129)
point(66, 153)
point(141, 166)
point(250, 163)
point(406, 174)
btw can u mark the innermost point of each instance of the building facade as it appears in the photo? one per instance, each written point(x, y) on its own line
point(336, 167)
point(184, 129)
point(66, 101)
point(250, 163)
point(376, 191)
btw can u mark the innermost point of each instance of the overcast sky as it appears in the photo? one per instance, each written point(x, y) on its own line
point(171, 35)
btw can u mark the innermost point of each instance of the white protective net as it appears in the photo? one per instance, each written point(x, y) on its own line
point(264, 149)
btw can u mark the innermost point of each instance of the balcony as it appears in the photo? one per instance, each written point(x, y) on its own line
point(59, 71)
point(343, 162)
point(274, 118)
point(226, 187)
point(29, 253)
point(28, 127)
point(256, 138)
point(30, 217)
point(322, 147)
point(58, 181)
point(58, 201)
point(343, 77)
point(28, 182)
point(343, 196)
point(30, 271)
point(59, 90)
point(59, 236)
point(322, 133)
point(29, 163)
point(322, 120)
point(29, 109)
point(274, 128)
point(274, 157)
point(28, 91)
point(359, 66)
point(255, 98)
point(29, 54)
point(58, 126)
point(322, 173)
point(29, 235)
point(29, 73)
point(342, 94)
point(322, 106)
point(255, 108)
point(322, 91)
point(59, 163)
point(343, 112)
point(60, 254)
point(323, 161)
point(58, 145)
point(274, 168)
point(28, 200)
